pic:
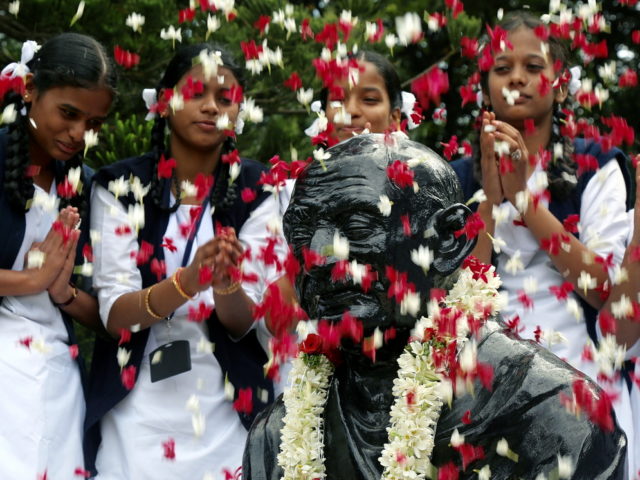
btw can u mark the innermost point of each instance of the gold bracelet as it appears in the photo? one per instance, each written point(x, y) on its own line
point(234, 287)
point(148, 305)
point(175, 279)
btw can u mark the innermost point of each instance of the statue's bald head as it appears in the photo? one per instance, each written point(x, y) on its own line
point(346, 195)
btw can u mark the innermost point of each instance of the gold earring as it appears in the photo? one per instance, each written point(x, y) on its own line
point(26, 96)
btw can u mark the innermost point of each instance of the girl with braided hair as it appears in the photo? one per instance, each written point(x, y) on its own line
point(547, 267)
point(177, 286)
point(63, 91)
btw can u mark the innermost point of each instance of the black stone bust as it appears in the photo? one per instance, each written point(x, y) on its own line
point(523, 406)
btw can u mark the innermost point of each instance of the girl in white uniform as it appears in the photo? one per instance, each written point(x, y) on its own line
point(627, 320)
point(68, 90)
point(179, 420)
point(536, 255)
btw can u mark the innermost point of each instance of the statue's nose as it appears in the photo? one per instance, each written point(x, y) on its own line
point(321, 242)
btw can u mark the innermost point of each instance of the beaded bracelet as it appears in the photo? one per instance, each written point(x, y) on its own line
point(175, 279)
point(147, 305)
point(234, 287)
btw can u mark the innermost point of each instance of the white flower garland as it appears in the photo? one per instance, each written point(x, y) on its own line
point(413, 422)
point(419, 392)
point(302, 437)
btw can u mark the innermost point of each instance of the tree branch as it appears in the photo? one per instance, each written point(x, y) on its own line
point(14, 29)
point(407, 83)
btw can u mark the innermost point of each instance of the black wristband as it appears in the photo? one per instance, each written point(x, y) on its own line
point(71, 299)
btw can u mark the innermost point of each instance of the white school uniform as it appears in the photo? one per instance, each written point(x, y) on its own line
point(41, 401)
point(634, 353)
point(603, 228)
point(191, 408)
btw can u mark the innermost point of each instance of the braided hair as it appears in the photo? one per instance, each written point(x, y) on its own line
point(66, 60)
point(222, 195)
point(562, 170)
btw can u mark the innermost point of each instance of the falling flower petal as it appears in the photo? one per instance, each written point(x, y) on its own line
point(13, 8)
point(78, 13)
point(90, 140)
point(8, 114)
point(135, 21)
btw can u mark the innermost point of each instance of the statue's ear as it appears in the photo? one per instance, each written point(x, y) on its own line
point(448, 250)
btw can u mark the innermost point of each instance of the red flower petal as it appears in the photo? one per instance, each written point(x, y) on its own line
point(251, 50)
point(448, 472)
point(87, 252)
point(400, 173)
point(430, 86)
point(158, 268)
point(199, 314)
point(312, 258)
point(125, 336)
point(607, 323)
point(294, 82)
point(205, 275)
point(469, 47)
point(451, 148)
point(629, 78)
point(81, 472)
point(169, 449)
point(144, 253)
point(406, 224)
point(73, 351)
point(244, 402)
point(165, 167)
point(529, 126)
point(123, 230)
point(186, 15)
point(305, 30)
point(125, 58)
point(470, 454)
point(262, 23)
point(128, 377)
point(312, 345)
point(525, 300)
point(466, 418)
point(231, 157)
point(472, 226)
point(571, 223)
point(248, 195)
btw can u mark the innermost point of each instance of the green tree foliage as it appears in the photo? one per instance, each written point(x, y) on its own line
point(285, 118)
point(120, 139)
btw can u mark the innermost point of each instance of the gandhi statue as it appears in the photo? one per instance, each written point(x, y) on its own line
point(388, 196)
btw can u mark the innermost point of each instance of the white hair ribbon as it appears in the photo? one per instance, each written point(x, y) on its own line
point(150, 97)
point(20, 69)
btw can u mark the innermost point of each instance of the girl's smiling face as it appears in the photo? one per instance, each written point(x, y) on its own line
point(60, 116)
point(521, 69)
point(194, 126)
point(367, 102)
